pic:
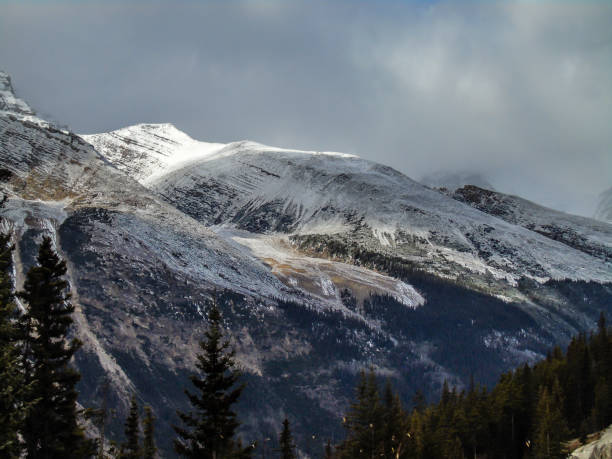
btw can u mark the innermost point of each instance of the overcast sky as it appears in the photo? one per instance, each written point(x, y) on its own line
point(521, 92)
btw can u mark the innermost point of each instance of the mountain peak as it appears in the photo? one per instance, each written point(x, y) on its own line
point(8, 100)
point(147, 150)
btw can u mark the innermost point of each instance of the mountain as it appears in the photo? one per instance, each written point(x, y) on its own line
point(323, 264)
point(604, 207)
point(295, 196)
point(584, 234)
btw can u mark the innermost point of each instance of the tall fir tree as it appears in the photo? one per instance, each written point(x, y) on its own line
point(149, 449)
point(210, 428)
point(51, 429)
point(364, 422)
point(13, 408)
point(285, 440)
point(551, 428)
point(395, 441)
point(130, 449)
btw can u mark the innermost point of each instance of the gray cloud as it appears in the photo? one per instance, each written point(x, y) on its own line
point(517, 91)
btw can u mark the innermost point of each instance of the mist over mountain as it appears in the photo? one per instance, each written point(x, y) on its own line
point(451, 180)
point(604, 206)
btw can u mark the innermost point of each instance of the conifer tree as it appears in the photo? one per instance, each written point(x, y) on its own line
point(364, 421)
point(51, 429)
point(149, 449)
point(210, 428)
point(130, 449)
point(551, 428)
point(285, 440)
point(12, 390)
point(395, 425)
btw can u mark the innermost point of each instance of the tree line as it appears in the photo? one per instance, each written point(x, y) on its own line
point(532, 412)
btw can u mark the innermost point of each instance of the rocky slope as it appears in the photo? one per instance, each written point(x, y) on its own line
point(452, 181)
point(269, 190)
point(584, 234)
point(600, 448)
point(323, 264)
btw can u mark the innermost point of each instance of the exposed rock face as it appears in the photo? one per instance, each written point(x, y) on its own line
point(451, 181)
point(598, 449)
point(8, 100)
point(584, 234)
point(323, 264)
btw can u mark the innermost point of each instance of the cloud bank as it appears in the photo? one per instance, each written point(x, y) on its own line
point(518, 91)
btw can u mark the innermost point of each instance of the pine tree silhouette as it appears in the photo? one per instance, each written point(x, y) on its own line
point(51, 429)
point(287, 447)
point(210, 429)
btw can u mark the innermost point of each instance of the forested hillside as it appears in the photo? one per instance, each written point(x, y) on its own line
point(531, 412)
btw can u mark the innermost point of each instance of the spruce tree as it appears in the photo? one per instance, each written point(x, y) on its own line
point(130, 449)
point(551, 428)
point(285, 440)
point(210, 428)
point(51, 429)
point(364, 421)
point(149, 449)
point(395, 426)
point(12, 390)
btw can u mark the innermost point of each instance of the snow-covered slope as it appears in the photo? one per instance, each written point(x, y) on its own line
point(604, 207)
point(585, 234)
point(9, 102)
point(146, 150)
point(265, 189)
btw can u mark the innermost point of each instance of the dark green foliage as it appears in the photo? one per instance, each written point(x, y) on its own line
point(12, 391)
point(130, 449)
point(285, 440)
point(51, 429)
point(550, 426)
point(209, 429)
point(531, 412)
point(149, 449)
point(364, 421)
point(394, 423)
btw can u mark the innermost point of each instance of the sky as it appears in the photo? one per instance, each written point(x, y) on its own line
point(520, 92)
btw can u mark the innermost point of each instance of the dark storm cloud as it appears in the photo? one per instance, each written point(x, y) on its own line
point(517, 91)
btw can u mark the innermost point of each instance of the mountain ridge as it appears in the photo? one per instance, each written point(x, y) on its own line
point(304, 255)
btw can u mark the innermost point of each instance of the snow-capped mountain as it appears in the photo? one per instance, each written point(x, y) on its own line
point(270, 190)
point(604, 206)
point(323, 264)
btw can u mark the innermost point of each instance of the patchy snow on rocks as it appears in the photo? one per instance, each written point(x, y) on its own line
point(270, 190)
point(321, 278)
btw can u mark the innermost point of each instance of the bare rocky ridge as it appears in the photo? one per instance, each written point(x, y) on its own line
point(323, 264)
point(584, 234)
